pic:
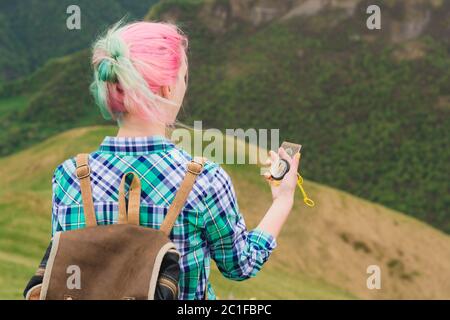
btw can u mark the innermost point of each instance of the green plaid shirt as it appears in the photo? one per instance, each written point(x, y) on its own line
point(209, 226)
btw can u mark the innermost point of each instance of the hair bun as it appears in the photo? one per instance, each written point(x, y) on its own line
point(106, 71)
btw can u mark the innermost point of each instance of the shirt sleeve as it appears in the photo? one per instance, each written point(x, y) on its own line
point(238, 253)
point(55, 192)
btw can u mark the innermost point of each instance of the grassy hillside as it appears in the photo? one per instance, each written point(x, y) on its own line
point(32, 110)
point(322, 253)
point(31, 32)
point(370, 107)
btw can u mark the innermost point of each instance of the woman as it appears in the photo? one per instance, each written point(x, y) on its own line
point(140, 79)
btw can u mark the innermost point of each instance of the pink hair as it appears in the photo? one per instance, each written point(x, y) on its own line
point(131, 63)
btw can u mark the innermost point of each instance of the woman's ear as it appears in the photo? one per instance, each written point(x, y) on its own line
point(165, 92)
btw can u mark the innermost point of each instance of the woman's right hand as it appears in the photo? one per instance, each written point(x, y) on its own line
point(284, 189)
point(282, 194)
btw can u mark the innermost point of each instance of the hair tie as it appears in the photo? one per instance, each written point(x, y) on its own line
point(106, 71)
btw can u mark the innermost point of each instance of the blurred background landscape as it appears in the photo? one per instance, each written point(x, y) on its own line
point(371, 108)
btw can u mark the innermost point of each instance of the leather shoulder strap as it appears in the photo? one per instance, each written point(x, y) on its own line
point(83, 172)
point(194, 168)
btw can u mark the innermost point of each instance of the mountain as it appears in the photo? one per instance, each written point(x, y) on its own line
point(371, 107)
point(322, 253)
point(31, 32)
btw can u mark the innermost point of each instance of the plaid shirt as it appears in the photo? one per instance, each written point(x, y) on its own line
point(209, 226)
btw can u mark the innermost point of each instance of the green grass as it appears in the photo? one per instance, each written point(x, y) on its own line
point(277, 284)
point(11, 104)
point(20, 249)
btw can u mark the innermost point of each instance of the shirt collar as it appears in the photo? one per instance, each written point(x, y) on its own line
point(135, 145)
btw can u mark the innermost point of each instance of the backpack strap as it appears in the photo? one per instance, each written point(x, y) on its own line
point(194, 168)
point(134, 199)
point(83, 172)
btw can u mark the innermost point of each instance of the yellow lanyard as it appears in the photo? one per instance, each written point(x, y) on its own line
point(309, 202)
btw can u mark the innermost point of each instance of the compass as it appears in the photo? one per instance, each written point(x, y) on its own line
point(279, 168)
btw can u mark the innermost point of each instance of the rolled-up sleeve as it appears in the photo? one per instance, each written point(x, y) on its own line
point(238, 253)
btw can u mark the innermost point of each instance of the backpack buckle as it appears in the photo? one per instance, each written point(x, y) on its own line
point(82, 173)
point(195, 167)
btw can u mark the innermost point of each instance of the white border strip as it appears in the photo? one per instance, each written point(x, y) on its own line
point(48, 268)
point(156, 266)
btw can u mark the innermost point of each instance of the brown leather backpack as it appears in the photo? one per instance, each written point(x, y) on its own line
point(118, 261)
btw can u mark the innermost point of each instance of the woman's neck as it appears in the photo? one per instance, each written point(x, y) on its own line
point(135, 127)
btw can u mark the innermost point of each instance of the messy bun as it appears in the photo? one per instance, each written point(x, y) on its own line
point(131, 63)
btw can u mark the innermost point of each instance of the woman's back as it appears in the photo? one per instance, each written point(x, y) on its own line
point(209, 225)
point(140, 79)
